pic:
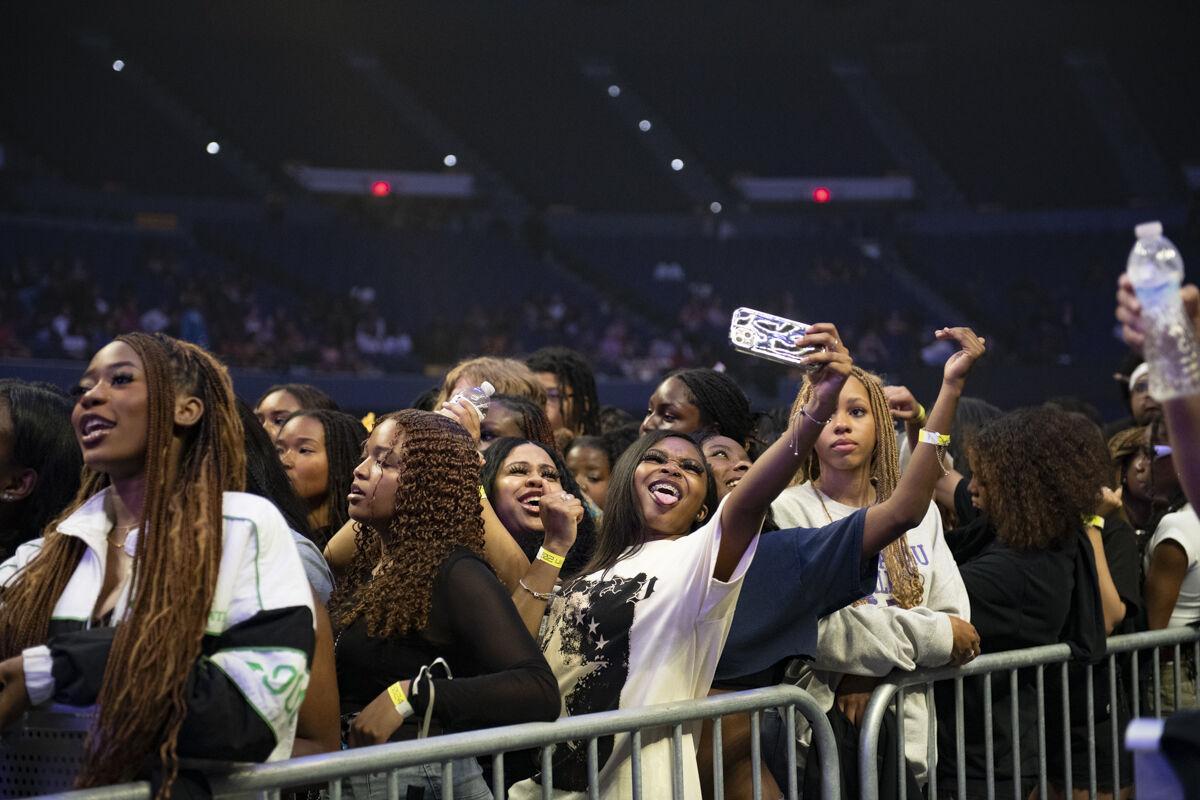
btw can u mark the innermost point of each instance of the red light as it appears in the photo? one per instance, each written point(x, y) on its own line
point(821, 195)
point(381, 188)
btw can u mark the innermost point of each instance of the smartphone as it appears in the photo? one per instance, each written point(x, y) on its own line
point(758, 333)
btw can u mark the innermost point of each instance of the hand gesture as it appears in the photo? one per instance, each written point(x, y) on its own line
point(966, 641)
point(14, 698)
point(465, 414)
point(833, 367)
point(1129, 311)
point(1110, 500)
point(376, 723)
point(901, 403)
point(560, 513)
point(852, 694)
point(960, 363)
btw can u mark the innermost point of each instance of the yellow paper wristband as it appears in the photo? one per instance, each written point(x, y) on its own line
point(553, 559)
point(1094, 521)
point(934, 438)
point(396, 694)
point(482, 493)
point(921, 416)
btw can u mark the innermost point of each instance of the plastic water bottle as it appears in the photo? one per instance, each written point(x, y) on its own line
point(479, 396)
point(1156, 270)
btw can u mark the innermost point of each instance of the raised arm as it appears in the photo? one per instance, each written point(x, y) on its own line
point(560, 513)
point(1182, 413)
point(909, 503)
point(743, 511)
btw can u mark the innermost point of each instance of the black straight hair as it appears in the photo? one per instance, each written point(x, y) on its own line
point(585, 534)
point(308, 395)
point(622, 530)
point(44, 441)
point(344, 437)
point(265, 476)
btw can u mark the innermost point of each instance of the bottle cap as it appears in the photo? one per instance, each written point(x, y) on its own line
point(1148, 230)
point(487, 388)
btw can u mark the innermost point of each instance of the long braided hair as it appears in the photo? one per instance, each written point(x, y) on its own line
point(908, 585)
point(534, 424)
point(437, 509)
point(721, 401)
point(142, 697)
point(575, 376)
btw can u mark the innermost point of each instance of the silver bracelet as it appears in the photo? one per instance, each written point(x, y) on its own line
point(804, 411)
point(545, 597)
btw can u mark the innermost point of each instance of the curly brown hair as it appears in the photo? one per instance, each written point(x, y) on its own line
point(437, 509)
point(1041, 469)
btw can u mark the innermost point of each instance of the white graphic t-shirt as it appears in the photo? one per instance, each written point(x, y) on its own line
point(649, 630)
point(1183, 528)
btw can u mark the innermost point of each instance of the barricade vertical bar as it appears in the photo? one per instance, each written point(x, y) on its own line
point(548, 772)
point(755, 756)
point(1178, 674)
point(718, 762)
point(1066, 731)
point(1157, 685)
point(1091, 730)
point(335, 789)
point(1196, 666)
point(931, 739)
point(636, 753)
point(793, 788)
point(448, 780)
point(393, 784)
point(1014, 721)
point(593, 769)
point(498, 776)
point(960, 744)
point(902, 785)
point(1137, 686)
point(989, 756)
point(1112, 717)
point(1041, 723)
point(677, 762)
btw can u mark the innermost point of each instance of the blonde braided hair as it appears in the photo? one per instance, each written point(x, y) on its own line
point(908, 585)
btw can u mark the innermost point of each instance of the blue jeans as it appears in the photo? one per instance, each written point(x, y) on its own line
point(775, 744)
point(468, 783)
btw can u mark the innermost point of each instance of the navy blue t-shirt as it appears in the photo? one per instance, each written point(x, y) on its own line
point(798, 576)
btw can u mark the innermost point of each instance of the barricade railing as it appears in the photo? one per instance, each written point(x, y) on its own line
point(891, 693)
point(330, 769)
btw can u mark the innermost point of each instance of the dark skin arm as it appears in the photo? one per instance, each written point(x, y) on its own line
point(317, 730)
point(1168, 566)
point(743, 511)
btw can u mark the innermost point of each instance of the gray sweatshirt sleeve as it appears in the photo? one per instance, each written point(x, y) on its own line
point(875, 639)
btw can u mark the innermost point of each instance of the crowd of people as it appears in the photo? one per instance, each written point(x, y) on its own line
point(55, 308)
point(236, 582)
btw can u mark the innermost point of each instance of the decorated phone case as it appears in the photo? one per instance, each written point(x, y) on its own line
point(758, 333)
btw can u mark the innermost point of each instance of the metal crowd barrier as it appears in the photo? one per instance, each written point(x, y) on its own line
point(893, 690)
point(268, 780)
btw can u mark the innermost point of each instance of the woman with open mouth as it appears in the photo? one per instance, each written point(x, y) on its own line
point(646, 620)
point(144, 599)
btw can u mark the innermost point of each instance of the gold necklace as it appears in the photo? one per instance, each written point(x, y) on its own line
point(127, 529)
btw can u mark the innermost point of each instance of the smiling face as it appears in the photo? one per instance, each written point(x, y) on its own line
point(301, 448)
point(671, 408)
point(727, 460)
point(847, 443)
point(670, 485)
point(591, 469)
point(372, 497)
point(274, 409)
point(110, 417)
point(526, 475)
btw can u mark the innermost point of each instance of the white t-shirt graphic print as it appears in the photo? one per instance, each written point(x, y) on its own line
point(649, 630)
